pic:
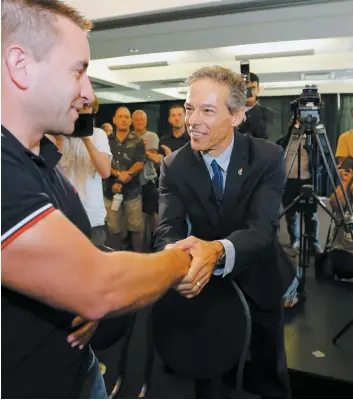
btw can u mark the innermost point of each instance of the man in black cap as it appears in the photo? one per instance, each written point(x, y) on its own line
point(224, 190)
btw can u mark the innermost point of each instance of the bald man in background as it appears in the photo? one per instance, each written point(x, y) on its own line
point(148, 177)
point(128, 161)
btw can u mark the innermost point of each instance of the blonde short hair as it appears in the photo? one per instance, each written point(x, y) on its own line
point(235, 83)
point(95, 105)
point(31, 23)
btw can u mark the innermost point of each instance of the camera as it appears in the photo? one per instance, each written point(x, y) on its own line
point(245, 72)
point(307, 107)
point(84, 126)
point(347, 164)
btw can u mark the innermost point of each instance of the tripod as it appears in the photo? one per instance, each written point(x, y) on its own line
point(317, 144)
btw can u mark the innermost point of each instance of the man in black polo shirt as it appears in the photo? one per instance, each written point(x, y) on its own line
point(179, 136)
point(50, 270)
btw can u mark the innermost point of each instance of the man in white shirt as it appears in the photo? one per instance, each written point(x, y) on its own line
point(85, 162)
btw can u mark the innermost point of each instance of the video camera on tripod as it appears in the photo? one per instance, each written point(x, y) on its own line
point(308, 105)
point(307, 127)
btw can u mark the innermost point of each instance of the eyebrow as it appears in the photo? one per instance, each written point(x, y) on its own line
point(81, 65)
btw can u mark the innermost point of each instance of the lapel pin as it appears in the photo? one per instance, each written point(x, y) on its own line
point(240, 172)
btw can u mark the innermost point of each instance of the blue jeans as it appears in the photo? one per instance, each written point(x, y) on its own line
point(292, 220)
point(291, 191)
point(98, 390)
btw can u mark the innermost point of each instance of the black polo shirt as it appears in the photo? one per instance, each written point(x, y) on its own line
point(172, 142)
point(37, 361)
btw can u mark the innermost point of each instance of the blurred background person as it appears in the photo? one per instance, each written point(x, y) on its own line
point(345, 144)
point(148, 176)
point(125, 214)
point(179, 136)
point(107, 128)
point(85, 161)
point(257, 118)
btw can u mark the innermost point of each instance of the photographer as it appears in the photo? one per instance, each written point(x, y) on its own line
point(345, 144)
point(294, 184)
point(257, 117)
point(85, 161)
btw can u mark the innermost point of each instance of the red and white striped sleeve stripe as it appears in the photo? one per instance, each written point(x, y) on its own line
point(26, 223)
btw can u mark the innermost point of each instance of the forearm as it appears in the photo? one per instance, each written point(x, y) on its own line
point(141, 280)
point(250, 244)
point(341, 198)
point(99, 160)
point(56, 264)
point(136, 168)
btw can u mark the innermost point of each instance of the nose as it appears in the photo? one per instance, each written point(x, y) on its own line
point(193, 118)
point(87, 92)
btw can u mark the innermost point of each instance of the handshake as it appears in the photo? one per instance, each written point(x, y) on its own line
point(205, 256)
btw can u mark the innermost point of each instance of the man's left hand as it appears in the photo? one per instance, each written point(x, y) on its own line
point(83, 335)
point(205, 255)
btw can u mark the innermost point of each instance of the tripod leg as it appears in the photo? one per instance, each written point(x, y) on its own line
point(342, 332)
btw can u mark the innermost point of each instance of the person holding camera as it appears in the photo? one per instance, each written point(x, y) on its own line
point(294, 184)
point(85, 161)
point(256, 117)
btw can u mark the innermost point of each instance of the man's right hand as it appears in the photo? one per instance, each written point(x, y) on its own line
point(117, 188)
point(181, 260)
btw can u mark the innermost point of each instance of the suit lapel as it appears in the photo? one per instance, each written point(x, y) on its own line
point(237, 171)
point(202, 186)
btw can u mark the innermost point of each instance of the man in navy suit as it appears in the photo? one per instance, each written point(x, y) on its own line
point(226, 188)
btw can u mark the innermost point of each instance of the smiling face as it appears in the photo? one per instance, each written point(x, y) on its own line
point(122, 119)
point(67, 87)
point(209, 122)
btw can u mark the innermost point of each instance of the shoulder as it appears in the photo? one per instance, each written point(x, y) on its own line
point(178, 158)
point(134, 138)
point(262, 152)
point(152, 134)
point(346, 135)
point(99, 133)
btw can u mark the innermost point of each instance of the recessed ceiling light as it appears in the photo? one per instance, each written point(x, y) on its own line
point(148, 97)
point(133, 50)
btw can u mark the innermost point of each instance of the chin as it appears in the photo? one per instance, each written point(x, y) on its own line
point(199, 146)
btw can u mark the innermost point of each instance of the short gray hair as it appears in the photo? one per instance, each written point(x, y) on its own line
point(235, 83)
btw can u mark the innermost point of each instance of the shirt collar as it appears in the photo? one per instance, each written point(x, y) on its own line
point(223, 159)
point(49, 152)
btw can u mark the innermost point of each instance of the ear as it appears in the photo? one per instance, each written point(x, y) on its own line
point(17, 62)
point(238, 117)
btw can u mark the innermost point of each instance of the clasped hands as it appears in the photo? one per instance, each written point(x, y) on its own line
point(204, 258)
point(123, 176)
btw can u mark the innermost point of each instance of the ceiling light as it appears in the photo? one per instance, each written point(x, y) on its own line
point(279, 54)
point(274, 47)
point(115, 97)
point(133, 50)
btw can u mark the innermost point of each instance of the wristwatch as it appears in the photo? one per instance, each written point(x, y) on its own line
point(222, 258)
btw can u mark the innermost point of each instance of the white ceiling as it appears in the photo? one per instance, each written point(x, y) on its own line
point(314, 45)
